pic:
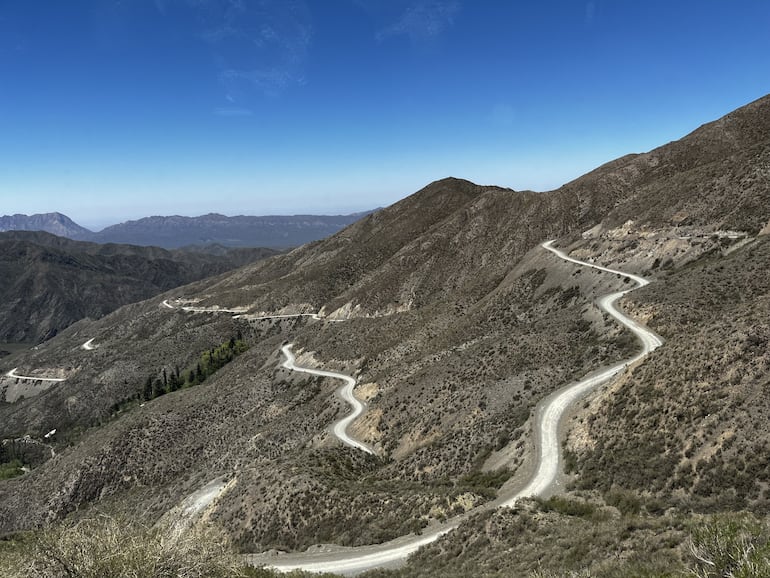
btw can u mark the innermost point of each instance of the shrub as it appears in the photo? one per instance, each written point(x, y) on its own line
point(624, 500)
point(734, 545)
point(104, 547)
point(567, 506)
point(485, 483)
point(10, 469)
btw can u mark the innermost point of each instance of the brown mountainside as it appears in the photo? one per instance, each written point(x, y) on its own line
point(48, 282)
point(456, 323)
point(715, 176)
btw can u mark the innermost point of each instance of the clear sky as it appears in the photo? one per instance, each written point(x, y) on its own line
point(112, 109)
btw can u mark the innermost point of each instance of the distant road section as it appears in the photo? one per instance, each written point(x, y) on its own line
point(346, 392)
point(89, 345)
point(281, 316)
point(548, 415)
point(192, 309)
point(15, 375)
point(241, 312)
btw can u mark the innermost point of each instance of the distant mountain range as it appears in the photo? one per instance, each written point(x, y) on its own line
point(173, 232)
point(54, 223)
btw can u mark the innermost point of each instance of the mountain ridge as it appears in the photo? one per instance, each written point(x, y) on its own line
point(720, 159)
point(48, 282)
point(456, 323)
point(176, 231)
point(54, 223)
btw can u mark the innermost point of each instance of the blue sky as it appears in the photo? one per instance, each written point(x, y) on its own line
point(112, 110)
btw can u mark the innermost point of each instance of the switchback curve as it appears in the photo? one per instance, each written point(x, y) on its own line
point(346, 392)
point(548, 415)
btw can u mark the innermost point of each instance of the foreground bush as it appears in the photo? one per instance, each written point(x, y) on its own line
point(734, 545)
point(104, 547)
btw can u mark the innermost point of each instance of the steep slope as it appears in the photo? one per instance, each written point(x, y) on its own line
point(428, 248)
point(48, 282)
point(692, 422)
point(456, 323)
point(688, 425)
point(449, 319)
point(714, 177)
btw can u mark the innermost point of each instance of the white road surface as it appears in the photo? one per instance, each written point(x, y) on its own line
point(346, 392)
point(286, 316)
point(15, 375)
point(548, 415)
point(554, 407)
point(88, 346)
point(191, 309)
point(240, 312)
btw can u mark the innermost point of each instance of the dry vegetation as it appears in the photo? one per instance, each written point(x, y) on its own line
point(582, 537)
point(458, 323)
point(690, 423)
point(457, 378)
point(106, 547)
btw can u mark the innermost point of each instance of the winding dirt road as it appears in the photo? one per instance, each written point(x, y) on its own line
point(241, 312)
point(202, 499)
point(548, 415)
point(15, 375)
point(550, 411)
point(191, 309)
point(285, 316)
point(346, 392)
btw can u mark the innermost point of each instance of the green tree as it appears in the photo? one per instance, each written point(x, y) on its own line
point(147, 392)
point(173, 382)
point(157, 388)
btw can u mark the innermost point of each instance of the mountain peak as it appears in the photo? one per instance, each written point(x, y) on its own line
point(54, 223)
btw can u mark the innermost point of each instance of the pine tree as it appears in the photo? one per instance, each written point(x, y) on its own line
point(173, 382)
point(157, 388)
point(147, 393)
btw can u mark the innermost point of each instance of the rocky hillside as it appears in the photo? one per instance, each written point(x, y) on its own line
point(456, 323)
point(406, 318)
point(714, 177)
point(48, 282)
point(691, 423)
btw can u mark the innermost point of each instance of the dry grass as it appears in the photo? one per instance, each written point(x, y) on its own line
point(106, 547)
